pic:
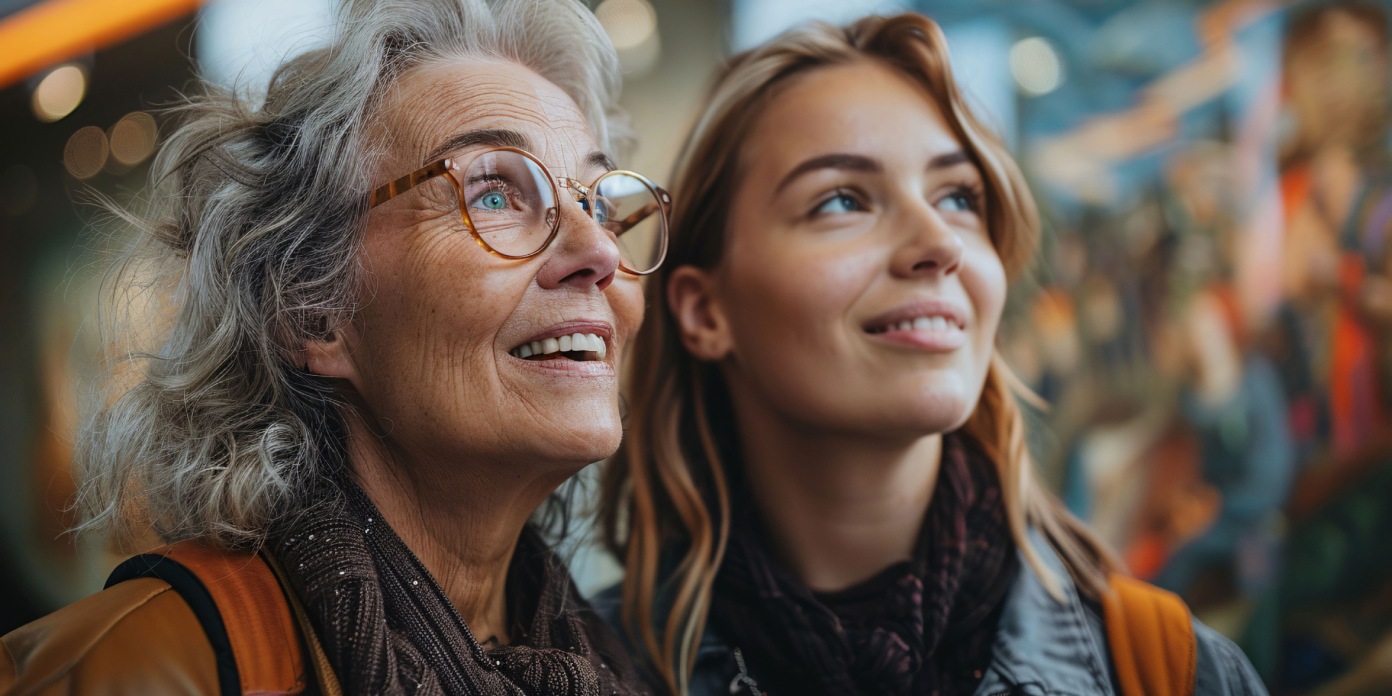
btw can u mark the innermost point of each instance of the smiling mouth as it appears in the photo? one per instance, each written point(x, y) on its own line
point(928, 323)
point(580, 347)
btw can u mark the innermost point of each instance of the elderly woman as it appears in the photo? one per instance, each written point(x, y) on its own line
point(400, 293)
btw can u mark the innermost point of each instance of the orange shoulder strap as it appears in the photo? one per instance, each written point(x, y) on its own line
point(1151, 636)
point(325, 679)
point(260, 628)
point(250, 621)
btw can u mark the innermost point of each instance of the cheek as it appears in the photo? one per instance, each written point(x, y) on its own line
point(625, 297)
point(792, 297)
point(430, 318)
point(983, 278)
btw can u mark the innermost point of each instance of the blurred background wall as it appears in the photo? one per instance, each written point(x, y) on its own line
point(1209, 320)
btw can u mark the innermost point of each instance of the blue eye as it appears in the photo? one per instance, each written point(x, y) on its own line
point(493, 200)
point(603, 209)
point(959, 201)
point(840, 203)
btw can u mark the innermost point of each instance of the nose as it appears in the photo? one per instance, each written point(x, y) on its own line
point(583, 255)
point(931, 246)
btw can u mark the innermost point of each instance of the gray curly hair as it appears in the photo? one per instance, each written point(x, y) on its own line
point(252, 233)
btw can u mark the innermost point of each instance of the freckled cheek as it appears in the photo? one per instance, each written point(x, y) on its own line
point(437, 307)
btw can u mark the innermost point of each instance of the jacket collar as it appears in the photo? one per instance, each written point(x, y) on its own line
point(1043, 644)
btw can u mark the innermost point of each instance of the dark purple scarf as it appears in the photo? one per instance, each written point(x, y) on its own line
point(923, 626)
point(388, 628)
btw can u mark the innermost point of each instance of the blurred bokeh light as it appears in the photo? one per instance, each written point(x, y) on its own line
point(86, 152)
point(59, 92)
point(628, 22)
point(133, 138)
point(1035, 66)
point(632, 26)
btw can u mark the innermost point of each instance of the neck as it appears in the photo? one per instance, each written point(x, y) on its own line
point(461, 519)
point(838, 508)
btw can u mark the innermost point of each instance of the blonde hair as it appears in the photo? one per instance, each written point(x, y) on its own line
point(667, 488)
point(254, 227)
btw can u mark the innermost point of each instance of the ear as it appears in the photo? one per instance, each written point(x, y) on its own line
point(701, 320)
point(332, 355)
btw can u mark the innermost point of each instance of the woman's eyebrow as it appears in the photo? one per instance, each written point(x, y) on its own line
point(600, 160)
point(948, 159)
point(495, 137)
point(861, 163)
point(841, 161)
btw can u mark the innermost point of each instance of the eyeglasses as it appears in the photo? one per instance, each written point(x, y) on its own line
point(507, 200)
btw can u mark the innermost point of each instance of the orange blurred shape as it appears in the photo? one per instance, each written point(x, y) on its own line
point(57, 30)
point(1147, 555)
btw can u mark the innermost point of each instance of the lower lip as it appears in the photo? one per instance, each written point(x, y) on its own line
point(927, 340)
point(565, 367)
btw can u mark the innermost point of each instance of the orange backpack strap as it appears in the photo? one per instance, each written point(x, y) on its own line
point(1151, 636)
point(325, 679)
point(244, 612)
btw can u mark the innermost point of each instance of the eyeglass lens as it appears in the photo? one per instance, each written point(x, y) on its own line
point(510, 201)
point(629, 209)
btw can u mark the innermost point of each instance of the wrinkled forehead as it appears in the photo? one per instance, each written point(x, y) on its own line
point(435, 104)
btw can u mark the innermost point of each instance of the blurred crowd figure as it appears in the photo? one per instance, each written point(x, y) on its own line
point(1239, 452)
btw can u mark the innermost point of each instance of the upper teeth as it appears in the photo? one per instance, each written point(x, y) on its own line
point(924, 324)
point(578, 342)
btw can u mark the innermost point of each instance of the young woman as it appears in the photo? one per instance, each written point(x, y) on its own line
point(824, 486)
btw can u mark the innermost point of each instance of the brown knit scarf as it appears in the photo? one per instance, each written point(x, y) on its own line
point(924, 626)
point(388, 628)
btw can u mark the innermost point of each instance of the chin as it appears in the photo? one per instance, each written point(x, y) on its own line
point(940, 416)
point(591, 435)
point(932, 408)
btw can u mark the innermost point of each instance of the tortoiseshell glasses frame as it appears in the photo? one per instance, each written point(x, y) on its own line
point(592, 203)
